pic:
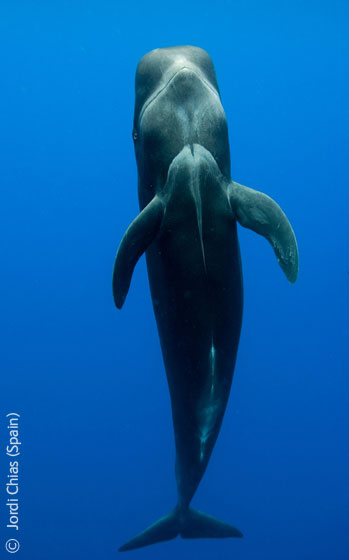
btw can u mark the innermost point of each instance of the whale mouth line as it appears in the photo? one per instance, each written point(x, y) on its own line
point(159, 91)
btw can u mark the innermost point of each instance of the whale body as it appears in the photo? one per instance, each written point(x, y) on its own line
point(188, 229)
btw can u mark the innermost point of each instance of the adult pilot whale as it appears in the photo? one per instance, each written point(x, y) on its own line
point(187, 227)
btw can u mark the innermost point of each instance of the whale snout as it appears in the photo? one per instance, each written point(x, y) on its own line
point(181, 85)
point(189, 77)
point(187, 81)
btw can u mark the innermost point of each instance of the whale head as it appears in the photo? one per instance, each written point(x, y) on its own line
point(157, 69)
point(177, 104)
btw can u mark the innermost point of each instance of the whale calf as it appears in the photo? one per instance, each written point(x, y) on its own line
point(187, 228)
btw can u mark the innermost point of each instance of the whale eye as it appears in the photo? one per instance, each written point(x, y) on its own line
point(135, 135)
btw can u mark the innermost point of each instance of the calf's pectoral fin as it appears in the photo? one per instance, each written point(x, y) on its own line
point(135, 241)
point(259, 212)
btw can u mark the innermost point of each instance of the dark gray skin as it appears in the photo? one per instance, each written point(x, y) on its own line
point(177, 105)
point(190, 207)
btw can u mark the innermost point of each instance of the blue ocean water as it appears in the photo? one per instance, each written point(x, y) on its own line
point(96, 461)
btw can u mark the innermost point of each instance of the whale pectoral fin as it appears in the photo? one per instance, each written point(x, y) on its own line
point(135, 241)
point(259, 212)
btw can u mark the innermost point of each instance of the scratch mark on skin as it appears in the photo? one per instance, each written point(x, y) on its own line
point(212, 405)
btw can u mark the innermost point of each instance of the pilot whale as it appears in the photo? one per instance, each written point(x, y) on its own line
point(187, 228)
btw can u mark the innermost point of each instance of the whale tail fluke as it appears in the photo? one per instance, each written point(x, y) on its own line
point(198, 525)
point(165, 529)
point(191, 524)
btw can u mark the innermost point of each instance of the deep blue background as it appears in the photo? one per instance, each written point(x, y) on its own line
point(97, 462)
